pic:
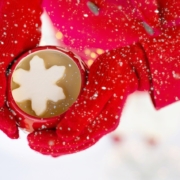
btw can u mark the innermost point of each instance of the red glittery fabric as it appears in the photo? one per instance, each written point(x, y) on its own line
point(19, 31)
point(142, 38)
point(151, 63)
point(111, 79)
point(113, 23)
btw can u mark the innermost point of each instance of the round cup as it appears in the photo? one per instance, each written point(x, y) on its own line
point(30, 121)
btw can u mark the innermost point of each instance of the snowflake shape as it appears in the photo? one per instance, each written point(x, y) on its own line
point(38, 84)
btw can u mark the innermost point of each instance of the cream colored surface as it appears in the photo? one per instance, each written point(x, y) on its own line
point(38, 84)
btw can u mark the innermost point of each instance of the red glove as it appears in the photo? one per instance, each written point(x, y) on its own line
point(152, 65)
point(113, 76)
point(19, 32)
point(163, 54)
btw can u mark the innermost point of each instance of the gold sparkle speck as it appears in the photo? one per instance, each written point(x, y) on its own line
point(100, 51)
point(93, 55)
point(59, 35)
point(90, 62)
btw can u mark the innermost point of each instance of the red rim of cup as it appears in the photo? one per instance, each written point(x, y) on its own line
point(29, 122)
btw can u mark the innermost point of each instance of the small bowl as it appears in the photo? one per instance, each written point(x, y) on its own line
point(72, 83)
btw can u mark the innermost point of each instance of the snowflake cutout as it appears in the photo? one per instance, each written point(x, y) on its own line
point(38, 84)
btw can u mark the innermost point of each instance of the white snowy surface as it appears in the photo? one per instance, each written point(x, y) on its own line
point(133, 158)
